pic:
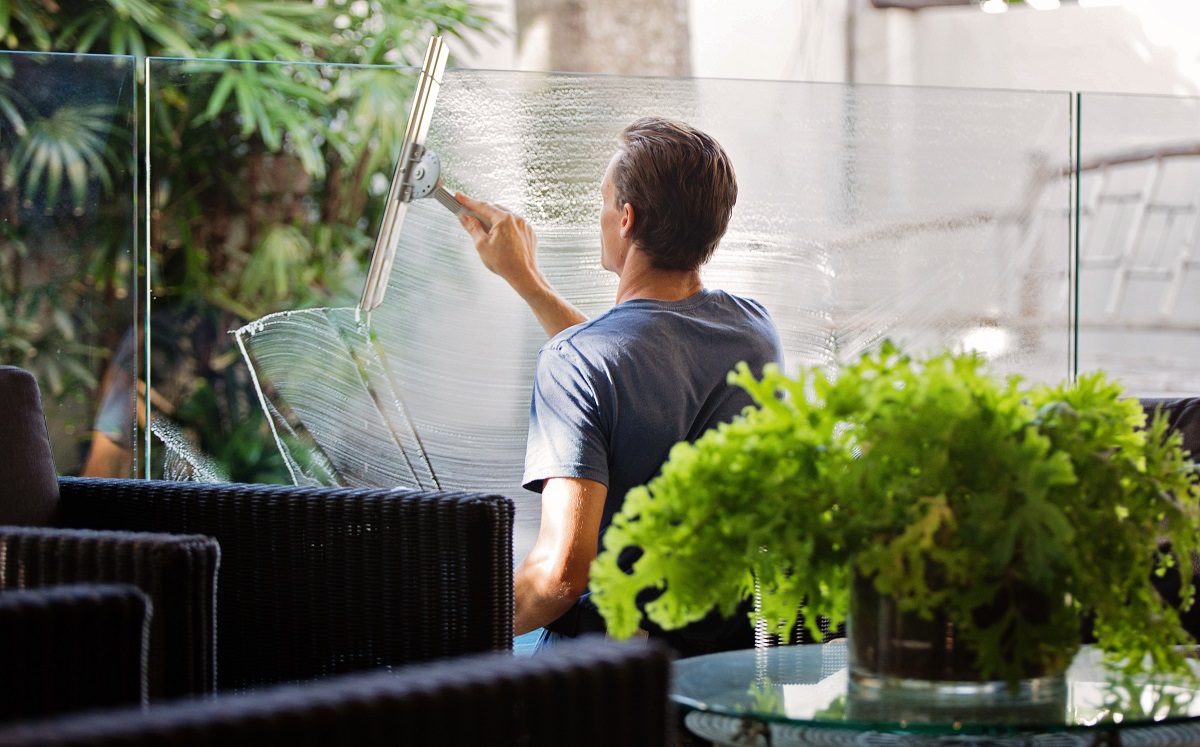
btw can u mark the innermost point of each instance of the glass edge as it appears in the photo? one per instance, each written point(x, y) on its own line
point(144, 219)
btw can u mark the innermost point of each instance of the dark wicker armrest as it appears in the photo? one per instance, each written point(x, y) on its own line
point(1183, 416)
point(69, 648)
point(177, 572)
point(591, 692)
point(317, 581)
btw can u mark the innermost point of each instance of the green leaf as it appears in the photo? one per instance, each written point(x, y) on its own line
point(220, 94)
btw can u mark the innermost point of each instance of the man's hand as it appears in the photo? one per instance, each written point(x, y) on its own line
point(510, 251)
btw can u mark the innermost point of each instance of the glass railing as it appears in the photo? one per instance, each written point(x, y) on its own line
point(933, 217)
point(1139, 241)
point(266, 182)
point(864, 213)
point(68, 269)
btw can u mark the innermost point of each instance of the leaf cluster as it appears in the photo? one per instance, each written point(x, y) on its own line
point(270, 118)
point(272, 124)
point(949, 488)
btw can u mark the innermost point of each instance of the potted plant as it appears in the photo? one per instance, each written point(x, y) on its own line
point(933, 493)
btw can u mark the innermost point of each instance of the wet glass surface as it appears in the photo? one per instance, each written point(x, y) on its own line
point(810, 685)
point(863, 213)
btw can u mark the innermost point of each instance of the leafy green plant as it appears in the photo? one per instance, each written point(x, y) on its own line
point(268, 133)
point(945, 486)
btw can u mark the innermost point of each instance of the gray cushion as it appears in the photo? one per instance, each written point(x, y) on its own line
point(28, 481)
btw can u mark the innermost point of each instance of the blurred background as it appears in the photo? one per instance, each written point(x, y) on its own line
point(180, 180)
point(1116, 46)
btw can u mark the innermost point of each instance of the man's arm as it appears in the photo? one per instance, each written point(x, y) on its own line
point(555, 573)
point(510, 251)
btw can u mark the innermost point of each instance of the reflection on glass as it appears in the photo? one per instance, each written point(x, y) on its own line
point(67, 242)
point(1139, 241)
point(264, 197)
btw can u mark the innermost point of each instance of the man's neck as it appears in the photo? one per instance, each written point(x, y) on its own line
point(640, 279)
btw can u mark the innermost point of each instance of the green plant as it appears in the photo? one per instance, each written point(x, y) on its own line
point(948, 487)
point(271, 126)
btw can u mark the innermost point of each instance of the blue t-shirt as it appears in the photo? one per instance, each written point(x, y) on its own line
point(613, 395)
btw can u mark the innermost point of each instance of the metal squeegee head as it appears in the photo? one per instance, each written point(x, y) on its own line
point(400, 193)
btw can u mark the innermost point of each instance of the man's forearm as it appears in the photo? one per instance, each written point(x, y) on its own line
point(553, 312)
point(555, 573)
point(537, 603)
point(509, 249)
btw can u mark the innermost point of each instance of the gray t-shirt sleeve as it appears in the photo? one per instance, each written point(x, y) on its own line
point(567, 430)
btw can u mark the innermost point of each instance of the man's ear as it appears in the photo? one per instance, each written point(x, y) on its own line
point(627, 220)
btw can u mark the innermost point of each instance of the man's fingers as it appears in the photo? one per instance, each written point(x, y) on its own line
point(487, 210)
point(472, 226)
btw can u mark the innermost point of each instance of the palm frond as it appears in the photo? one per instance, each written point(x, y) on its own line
point(70, 143)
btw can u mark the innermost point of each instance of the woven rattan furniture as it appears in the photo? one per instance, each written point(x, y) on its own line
point(72, 647)
point(584, 693)
point(252, 584)
point(177, 572)
point(319, 581)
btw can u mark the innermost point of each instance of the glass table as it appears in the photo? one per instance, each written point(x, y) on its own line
point(793, 695)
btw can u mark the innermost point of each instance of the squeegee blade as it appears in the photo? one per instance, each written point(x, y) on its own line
point(411, 150)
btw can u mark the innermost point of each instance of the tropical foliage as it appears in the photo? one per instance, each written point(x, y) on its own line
point(265, 180)
point(948, 488)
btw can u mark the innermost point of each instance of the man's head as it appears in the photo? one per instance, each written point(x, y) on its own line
point(681, 186)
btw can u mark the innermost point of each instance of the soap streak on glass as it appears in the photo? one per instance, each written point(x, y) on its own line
point(922, 215)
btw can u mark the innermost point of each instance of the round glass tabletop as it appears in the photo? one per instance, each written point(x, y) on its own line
point(810, 686)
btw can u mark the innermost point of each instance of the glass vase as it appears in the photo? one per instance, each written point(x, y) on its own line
point(897, 655)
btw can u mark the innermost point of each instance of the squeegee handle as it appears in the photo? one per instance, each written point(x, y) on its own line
point(443, 195)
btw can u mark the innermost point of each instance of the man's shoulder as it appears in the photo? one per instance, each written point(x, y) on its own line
point(598, 327)
point(743, 302)
point(577, 343)
point(632, 318)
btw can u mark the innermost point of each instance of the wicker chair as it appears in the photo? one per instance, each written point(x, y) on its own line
point(320, 581)
point(178, 572)
point(69, 648)
point(312, 581)
point(585, 692)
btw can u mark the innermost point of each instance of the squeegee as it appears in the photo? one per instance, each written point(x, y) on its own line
point(418, 174)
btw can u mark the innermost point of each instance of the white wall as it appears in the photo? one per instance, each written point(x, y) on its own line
point(769, 39)
point(1131, 46)
point(1142, 47)
point(763, 40)
point(497, 53)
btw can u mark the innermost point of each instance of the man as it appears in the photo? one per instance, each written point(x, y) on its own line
point(613, 394)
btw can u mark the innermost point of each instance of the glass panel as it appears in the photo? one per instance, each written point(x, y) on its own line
point(1139, 241)
point(68, 291)
point(266, 184)
point(934, 217)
